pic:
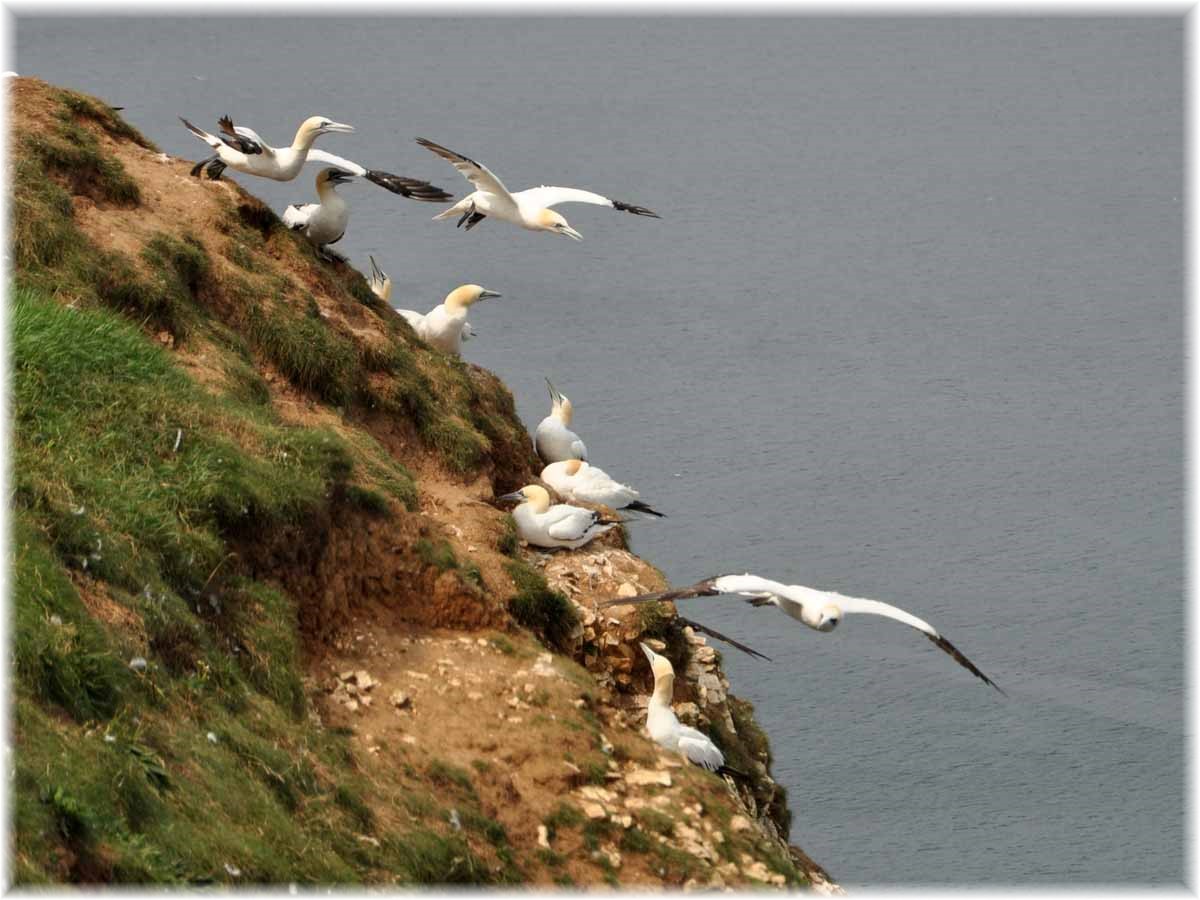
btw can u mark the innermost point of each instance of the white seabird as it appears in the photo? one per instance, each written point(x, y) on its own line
point(324, 222)
point(574, 479)
point(553, 440)
point(529, 208)
point(379, 282)
point(446, 326)
point(819, 610)
point(557, 526)
point(664, 726)
point(241, 149)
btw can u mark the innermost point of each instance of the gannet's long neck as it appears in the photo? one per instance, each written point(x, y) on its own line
point(664, 689)
point(458, 301)
point(328, 194)
point(563, 411)
point(305, 137)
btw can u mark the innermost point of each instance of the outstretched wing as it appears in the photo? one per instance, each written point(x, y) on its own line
point(296, 217)
point(479, 175)
point(875, 607)
point(713, 633)
point(413, 188)
point(545, 196)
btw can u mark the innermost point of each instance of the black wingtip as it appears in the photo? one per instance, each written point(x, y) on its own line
point(636, 210)
point(412, 188)
point(643, 508)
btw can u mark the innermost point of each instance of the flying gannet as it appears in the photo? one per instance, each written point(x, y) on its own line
point(241, 149)
point(529, 208)
point(552, 527)
point(574, 479)
point(379, 282)
point(446, 326)
point(325, 222)
point(553, 440)
point(664, 726)
point(819, 610)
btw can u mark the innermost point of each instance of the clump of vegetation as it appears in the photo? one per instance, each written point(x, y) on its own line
point(72, 153)
point(82, 106)
point(308, 352)
point(548, 613)
point(565, 815)
point(509, 543)
point(655, 622)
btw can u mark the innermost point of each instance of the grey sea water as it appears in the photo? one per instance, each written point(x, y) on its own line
point(910, 328)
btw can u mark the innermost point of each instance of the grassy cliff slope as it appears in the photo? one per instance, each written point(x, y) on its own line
point(267, 627)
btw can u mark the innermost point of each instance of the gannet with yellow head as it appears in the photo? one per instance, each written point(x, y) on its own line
point(446, 326)
point(664, 726)
point(529, 208)
point(574, 479)
point(819, 610)
point(324, 222)
point(553, 440)
point(560, 526)
point(241, 149)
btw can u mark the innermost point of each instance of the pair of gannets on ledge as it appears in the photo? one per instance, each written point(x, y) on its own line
point(560, 526)
point(574, 479)
point(553, 440)
point(241, 149)
point(445, 326)
point(819, 610)
point(529, 209)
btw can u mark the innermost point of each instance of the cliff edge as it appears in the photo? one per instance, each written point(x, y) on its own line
point(268, 627)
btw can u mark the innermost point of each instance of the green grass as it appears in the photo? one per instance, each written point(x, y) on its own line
point(546, 612)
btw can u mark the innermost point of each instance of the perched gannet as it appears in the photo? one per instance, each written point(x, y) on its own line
point(325, 222)
point(575, 480)
point(446, 326)
point(243, 150)
point(556, 526)
point(529, 208)
point(553, 440)
point(819, 610)
point(379, 282)
point(666, 729)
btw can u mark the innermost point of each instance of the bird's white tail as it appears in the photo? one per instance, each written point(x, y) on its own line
point(456, 210)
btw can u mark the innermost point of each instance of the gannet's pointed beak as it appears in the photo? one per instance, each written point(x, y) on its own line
point(571, 233)
point(339, 128)
point(485, 293)
point(514, 497)
point(555, 396)
point(376, 272)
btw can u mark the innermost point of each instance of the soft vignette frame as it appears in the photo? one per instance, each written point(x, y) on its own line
point(10, 11)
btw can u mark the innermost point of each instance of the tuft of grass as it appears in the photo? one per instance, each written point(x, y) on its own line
point(59, 651)
point(85, 107)
point(308, 352)
point(565, 815)
point(350, 799)
point(72, 153)
point(509, 543)
point(446, 774)
point(548, 613)
point(369, 501)
point(634, 840)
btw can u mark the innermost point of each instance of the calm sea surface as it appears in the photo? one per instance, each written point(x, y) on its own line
point(910, 328)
